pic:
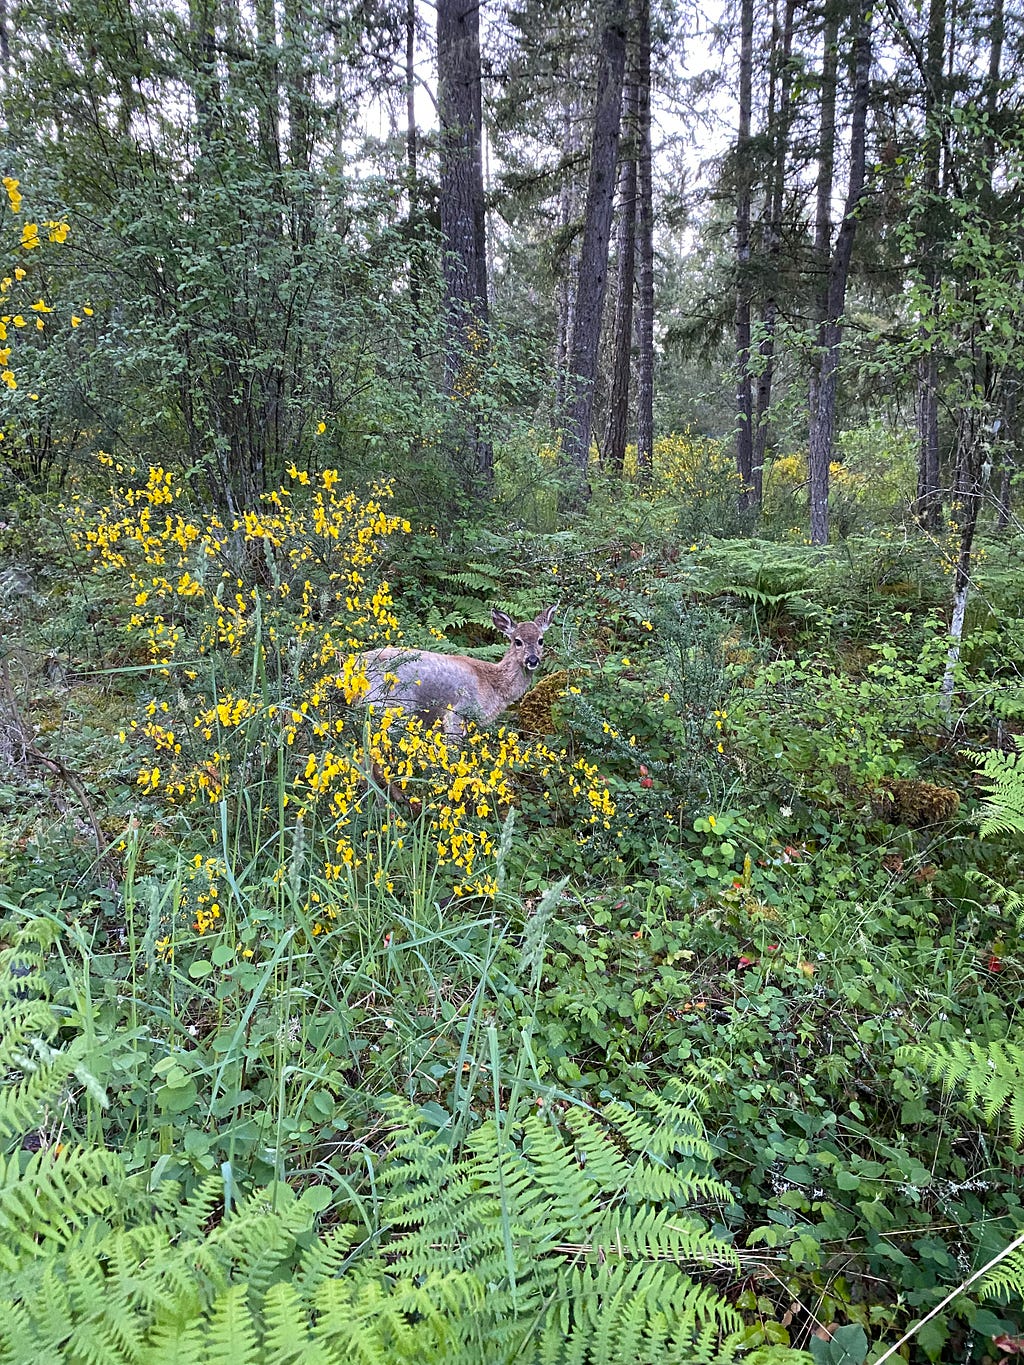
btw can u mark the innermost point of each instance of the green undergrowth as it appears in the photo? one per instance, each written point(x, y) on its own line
point(686, 1086)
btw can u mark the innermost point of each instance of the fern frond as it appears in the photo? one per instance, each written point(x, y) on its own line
point(43, 1206)
point(175, 1343)
point(659, 1235)
point(1003, 780)
point(231, 1335)
point(287, 1328)
point(990, 1074)
point(641, 1314)
point(324, 1259)
point(1006, 1281)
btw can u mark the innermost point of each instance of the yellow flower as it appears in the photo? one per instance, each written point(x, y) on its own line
point(8, 378)
point(321, 427)
point(75, 320)
point(11, 186)
point(30, 236)
point(40, 307)
point(57, 231)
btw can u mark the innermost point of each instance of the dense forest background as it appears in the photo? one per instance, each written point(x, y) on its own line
point(674, 1016)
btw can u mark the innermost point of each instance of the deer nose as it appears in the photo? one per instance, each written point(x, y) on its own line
point(532, 661)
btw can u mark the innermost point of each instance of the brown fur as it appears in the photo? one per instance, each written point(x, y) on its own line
point(454, 688)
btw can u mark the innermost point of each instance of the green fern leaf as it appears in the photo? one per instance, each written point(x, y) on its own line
point(231, 1335)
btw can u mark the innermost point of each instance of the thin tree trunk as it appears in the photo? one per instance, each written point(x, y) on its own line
point(644, 253)
point(780, 123)
point(269, 118)
point(206, 91)
point(412, 174)
point(929, 496)
point(744, 178)
point(411, 141)
point(618, 414)
point(976, 426)
point(1008, 453)
point(817, 469)
point(824, 413)
point(462, 221)
point(593, 272)
point(566, 267)
point(967, 500)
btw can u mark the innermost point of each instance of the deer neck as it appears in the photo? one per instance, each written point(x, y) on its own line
point(513, 680)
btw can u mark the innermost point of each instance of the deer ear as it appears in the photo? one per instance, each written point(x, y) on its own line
point(544, 618)
point(504, 623)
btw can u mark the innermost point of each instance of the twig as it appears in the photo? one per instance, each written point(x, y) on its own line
point(999, 1256)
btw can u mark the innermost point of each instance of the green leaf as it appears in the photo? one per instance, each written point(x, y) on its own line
point(848, 1346)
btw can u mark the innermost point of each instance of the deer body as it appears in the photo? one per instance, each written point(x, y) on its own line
point(454, 688)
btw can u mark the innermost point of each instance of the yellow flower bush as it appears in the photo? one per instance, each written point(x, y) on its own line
point(688, 467)
point(16, 289)
point(252, 627)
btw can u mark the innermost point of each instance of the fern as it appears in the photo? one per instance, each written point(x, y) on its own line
point(1002, 778)
point(1006, 1281)
point(991, 1076)
point(598, 1234)
point(535, 1243)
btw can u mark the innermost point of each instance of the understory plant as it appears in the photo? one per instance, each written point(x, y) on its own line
point(568, 1235)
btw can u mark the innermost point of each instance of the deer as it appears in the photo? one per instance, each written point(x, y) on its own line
point(456, 688)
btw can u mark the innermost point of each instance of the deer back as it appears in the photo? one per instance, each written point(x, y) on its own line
point(455, 687)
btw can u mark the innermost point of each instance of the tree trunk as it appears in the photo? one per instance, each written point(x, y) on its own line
point(779, 124)
point(928, 509)
point(269, 109)
point(823, 414)
point(462, 222)
point(929, 497)
point(744, 179)
point(593, 272)
point(977, 427)
point(817, 470)
point(566, 265)
point(644, 253)
point(412, 176)
point(298, 90)
point(1008, 454)
point(618, 414)
point(970, 459)
point(206, 88)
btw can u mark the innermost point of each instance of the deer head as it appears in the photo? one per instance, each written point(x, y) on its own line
point(527, 637)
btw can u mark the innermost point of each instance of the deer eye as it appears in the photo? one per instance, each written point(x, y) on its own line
point(518, 642)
